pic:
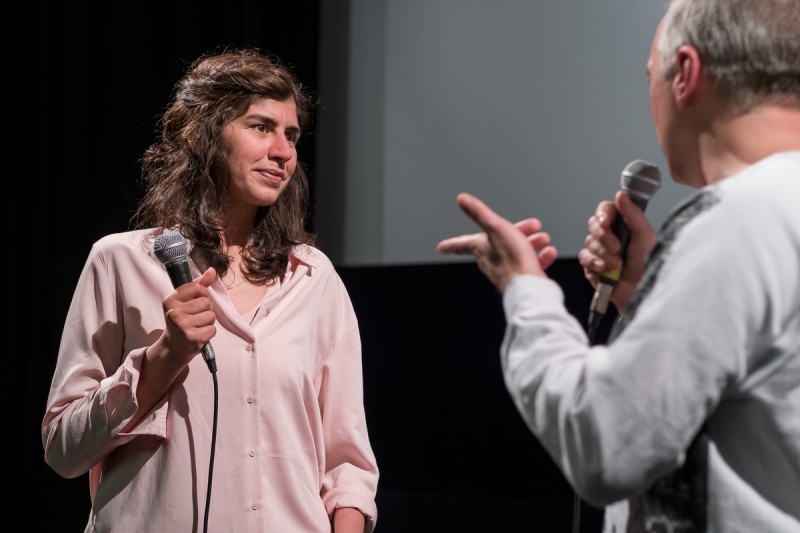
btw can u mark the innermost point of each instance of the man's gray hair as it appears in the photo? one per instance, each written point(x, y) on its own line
point(750, 49)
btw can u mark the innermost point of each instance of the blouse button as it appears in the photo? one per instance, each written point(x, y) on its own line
point(252, 453)
point(250, 399)
point(249, 348)
point(254, 506)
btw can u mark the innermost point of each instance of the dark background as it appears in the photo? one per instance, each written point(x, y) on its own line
point(84, 85)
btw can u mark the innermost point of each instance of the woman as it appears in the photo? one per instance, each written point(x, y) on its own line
point(131, 402)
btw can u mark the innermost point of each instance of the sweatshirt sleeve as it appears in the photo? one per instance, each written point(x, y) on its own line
point(616, 418)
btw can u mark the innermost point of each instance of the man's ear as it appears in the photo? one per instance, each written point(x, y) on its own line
point(688, 75)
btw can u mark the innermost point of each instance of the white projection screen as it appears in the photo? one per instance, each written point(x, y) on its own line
point(534, 106)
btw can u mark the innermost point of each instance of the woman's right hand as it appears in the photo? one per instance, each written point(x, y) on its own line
point(602, 247)
point(189, 318)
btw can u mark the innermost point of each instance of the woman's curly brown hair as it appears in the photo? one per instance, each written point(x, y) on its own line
point(185, 172)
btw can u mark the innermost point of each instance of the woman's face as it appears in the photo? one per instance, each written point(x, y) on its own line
point(263, 152)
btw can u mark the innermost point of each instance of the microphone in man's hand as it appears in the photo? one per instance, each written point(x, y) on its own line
point(640, 180)
point(172, 250)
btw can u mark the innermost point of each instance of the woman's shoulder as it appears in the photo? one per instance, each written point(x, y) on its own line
point(127, 242)
point(128, 238)
point(312, 256)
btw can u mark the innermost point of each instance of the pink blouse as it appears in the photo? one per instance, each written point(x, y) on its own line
point(291, 442)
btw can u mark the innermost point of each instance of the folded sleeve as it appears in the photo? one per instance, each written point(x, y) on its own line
point(92, 395)
point(351, 474)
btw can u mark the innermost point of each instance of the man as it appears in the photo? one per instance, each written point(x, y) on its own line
point(689, 419)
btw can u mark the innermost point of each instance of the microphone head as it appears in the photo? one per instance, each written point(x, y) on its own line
point(641, 179)
point(170, 247)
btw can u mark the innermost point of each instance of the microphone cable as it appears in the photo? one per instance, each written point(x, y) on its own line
point(172, 249)
point(211, 362)
point(213, 450)
point(576, 512)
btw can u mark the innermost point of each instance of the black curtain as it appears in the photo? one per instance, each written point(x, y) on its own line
point(84, 83)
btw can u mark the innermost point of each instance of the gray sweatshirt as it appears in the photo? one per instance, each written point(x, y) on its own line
point(689, 419)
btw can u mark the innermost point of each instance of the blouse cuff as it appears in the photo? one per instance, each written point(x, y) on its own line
point(120, 401)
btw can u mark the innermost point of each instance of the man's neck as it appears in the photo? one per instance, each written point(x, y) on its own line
point(733, 144)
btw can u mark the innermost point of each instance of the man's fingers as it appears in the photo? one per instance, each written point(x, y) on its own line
point(547, 256)
point(529, 226)
point(471, 243)
point(539, 239)
point(477, 210)
point(498, 236)
point(463, 244)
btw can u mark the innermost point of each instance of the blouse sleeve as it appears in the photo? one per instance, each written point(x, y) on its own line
point(351, 475)
point(91, 396)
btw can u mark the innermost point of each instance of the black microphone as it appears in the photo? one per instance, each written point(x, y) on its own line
point(172, 250)
point(640, 180)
